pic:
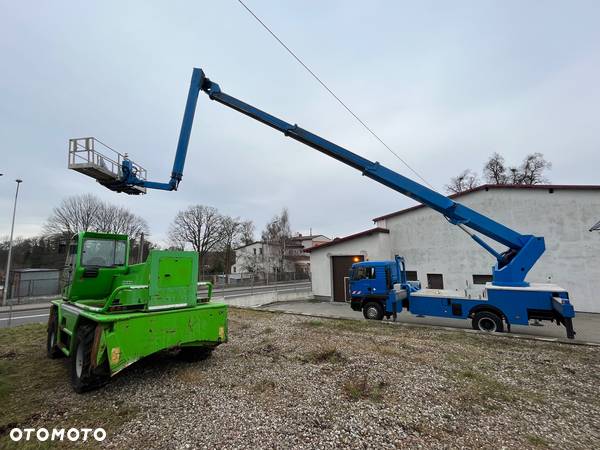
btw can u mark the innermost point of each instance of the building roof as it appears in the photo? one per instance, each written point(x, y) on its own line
point(596, 227)
point(309, 236)
point(336, 241)
point(487, 187)
point(248, 245)
point(291, 242)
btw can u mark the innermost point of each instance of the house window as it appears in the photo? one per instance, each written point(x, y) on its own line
point(261, 250)
point(482, 279)
point(233, 269)
point(411, 275)
point(435, 281)
point(254, 250)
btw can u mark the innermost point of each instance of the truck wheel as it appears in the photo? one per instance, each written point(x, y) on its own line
point(83, 376)
point(52, 349)
point(373, 311)
point(192, 354)
point(487, 321)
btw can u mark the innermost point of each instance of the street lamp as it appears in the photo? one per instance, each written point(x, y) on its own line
point(12, 229)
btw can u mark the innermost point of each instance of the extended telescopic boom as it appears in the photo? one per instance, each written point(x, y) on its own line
point(512, 265)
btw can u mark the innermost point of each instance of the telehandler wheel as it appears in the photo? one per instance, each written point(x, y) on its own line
point(192, 354)
point(373, 311)
point(52, 349)
point(83, 376)
point(487, 321)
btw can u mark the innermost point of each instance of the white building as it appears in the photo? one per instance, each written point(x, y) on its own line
point(441, 255)
point(261, 257)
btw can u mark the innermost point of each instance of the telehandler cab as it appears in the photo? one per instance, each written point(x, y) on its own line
point(112, 314)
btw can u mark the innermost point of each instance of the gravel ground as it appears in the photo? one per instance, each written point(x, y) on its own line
point(289, 381)
point(286, 381)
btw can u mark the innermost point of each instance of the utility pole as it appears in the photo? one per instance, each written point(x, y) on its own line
point(140, 257)
point(12, 229)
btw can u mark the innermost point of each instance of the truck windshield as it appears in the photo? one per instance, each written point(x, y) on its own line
point(103, 253)
point(361, 273)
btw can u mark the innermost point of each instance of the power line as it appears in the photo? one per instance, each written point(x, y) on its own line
point(333, 93)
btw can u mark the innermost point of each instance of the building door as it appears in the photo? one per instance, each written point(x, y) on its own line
point(341, 266)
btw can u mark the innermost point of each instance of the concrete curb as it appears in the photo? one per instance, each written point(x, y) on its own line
point(217, 294)
point(26, 307)
point(415, 325)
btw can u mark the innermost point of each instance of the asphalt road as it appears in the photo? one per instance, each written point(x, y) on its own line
point(37, 313)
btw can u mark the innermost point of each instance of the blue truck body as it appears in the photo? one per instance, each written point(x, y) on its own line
point(380, 289)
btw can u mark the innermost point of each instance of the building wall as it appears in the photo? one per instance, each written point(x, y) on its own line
point(373, 247)
point(264, 257)
point(572, 257)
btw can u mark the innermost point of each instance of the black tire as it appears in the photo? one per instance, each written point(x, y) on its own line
point(193, 354)
point(52, 350)
point(83, 376)
point(373, 311)
point(487, 321)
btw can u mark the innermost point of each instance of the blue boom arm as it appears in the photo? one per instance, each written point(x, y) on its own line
point(512, 265)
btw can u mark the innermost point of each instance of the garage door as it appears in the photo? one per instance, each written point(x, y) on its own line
point(341, 266)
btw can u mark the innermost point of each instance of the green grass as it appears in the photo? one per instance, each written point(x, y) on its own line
point(483, 388)
point(326, 355)
point(313, 323)
point(537, 441)
point(363, 389)
point(35, 390)
point(264, 385)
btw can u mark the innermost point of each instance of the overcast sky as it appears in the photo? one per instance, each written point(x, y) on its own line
point(444, 83)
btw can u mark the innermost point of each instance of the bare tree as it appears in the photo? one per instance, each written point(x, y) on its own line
point(76, 213)
point(88, 213)
point(463, 182)
point(276, 234)
point(246, 233)
point(233, 232)
point(114, 219)
point(495, 171)
point(199, 226)
point(532, 169)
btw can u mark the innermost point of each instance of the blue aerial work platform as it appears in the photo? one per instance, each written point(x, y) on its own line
point(509, 297)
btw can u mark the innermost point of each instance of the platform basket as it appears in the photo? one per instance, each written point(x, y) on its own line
point(95, 159)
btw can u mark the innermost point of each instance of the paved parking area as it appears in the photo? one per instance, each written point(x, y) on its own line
point(587, 325)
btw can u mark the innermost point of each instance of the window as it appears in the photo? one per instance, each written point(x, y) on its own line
point(435, 281)
point(362, 273)
point(411, 275)
point(254, 250)
point(233, 269)
point(103, 253)
point(482, 279)
point(261, 250)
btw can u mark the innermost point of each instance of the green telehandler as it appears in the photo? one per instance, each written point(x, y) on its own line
point(112, 314)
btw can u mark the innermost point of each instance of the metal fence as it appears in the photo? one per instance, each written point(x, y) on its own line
point(38, 287)
point(222, 290)
point(241, 279)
